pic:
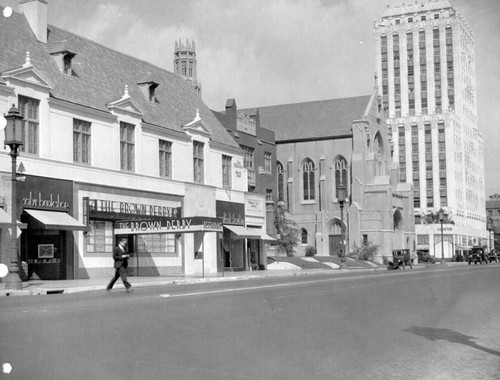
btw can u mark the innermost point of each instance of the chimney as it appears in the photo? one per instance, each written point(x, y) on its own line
point(35, 12)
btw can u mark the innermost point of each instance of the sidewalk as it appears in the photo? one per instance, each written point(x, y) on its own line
point(43, 287)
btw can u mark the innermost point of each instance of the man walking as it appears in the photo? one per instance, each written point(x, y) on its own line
point(120, 257)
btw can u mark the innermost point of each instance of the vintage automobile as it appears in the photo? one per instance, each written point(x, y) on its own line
point(400, 258)
point(478, 255)
point(492, 256)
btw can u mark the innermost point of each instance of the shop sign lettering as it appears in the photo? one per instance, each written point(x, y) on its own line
point(232, 218)
point(101, 205)
point(168, 225)
point(51, 202)
point(152, 225)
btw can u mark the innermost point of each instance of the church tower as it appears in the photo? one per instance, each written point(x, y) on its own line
point(185, 63)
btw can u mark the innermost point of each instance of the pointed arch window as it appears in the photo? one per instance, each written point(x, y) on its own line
point(304, 236)
point(280, 177)
point(308, 179)
point(341, 174)
point(397, 220)
point(378, 150)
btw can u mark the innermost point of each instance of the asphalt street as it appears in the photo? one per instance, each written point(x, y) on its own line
point(427, 324)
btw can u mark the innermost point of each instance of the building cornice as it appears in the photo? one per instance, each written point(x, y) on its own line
point(82, 110)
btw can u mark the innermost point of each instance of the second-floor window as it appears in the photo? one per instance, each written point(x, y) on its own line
point(267, 162)
point(127, 146)
point(198, 162)
point(28, 108)
point(226, 171)
point(165, 151)
point(248, 160)
point(81, 141)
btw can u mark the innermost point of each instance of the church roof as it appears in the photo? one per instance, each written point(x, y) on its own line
point(100, 76)
point(318, 119)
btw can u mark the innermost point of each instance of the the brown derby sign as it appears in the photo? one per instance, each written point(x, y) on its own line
point(168, 225)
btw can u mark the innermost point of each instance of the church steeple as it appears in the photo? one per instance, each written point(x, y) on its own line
point(185, 63)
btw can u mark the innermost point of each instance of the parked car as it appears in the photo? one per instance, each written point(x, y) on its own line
point(493, 257)
point(478, 255)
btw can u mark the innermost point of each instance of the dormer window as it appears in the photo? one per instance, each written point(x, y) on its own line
point(63, 55)
point(148, 88)
point(67, 63)
point(152, 93)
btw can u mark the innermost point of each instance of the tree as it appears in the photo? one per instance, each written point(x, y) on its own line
point(288, 233)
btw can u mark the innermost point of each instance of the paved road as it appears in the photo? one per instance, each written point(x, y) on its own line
point(427, 324)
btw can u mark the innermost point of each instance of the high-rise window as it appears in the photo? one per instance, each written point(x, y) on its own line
point(28, 108)
point(165, 157)
point(449, 66)
point(423, 71)
point(127, 146)
point(226, 171)
point(308, 179)
point(397, 73)
point(385, 74)
point(81, 141)
point(198, 162)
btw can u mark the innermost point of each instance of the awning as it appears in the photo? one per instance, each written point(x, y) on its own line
point(6, 220)
point(245, 233)
point(267, 237)
point(55, 220)
point(249, 233)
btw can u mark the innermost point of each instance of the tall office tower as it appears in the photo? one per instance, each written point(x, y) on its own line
point(185, 63)
point(426, 75)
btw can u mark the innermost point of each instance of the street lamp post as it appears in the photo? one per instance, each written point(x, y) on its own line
point(490, 229)
point(341, 198)
point(441, 220)
point(13, 138)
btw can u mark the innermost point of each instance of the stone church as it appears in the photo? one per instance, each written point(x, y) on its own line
point(323, 144)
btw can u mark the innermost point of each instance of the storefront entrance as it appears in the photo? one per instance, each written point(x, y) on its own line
point(45, 253)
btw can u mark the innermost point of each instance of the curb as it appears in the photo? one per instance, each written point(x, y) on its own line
point(275, 274)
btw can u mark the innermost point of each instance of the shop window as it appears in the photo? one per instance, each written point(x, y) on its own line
point(157, 244)
point(100, 238)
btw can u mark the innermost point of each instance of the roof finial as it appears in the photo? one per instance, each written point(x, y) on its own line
point(126, 91)
point(197, 114)
point(28, 60)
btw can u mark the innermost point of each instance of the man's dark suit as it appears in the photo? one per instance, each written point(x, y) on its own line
point(121, 263)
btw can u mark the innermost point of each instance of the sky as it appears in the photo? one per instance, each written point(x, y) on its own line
point(270, 52)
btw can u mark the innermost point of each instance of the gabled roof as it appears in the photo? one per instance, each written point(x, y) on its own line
point(101, 75)
point(319, 119)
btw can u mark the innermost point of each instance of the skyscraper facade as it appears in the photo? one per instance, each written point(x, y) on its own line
point(425, 69)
